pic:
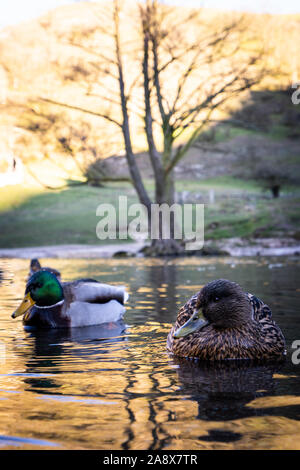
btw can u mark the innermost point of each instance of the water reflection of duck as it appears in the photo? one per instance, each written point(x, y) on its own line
point(35, 266)
point(49, 343)
point(236, 325)
point(51, 349)
point(51, 304)
point(223, 389)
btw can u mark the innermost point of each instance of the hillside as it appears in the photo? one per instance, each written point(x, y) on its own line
point(44, 59)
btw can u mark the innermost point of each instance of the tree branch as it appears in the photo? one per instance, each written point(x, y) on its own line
point(91, 52)
point(181, 151)
point(83, 110)
point(133, 168)
point(154, 155)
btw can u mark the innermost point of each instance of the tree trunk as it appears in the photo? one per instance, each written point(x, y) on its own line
point(162, 245)
point(275, 190)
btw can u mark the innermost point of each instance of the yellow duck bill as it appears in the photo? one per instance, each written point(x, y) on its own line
point(195, 323)
point(26, 303)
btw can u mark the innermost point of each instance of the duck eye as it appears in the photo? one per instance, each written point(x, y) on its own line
point(37, 285)
point(216, 299)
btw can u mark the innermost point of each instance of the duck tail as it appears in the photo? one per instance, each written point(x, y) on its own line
point(126, 296)
point(35, 265)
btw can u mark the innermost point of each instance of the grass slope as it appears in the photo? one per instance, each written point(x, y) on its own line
point(30, 216)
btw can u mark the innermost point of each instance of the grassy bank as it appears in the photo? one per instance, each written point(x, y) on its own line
point(32, 216)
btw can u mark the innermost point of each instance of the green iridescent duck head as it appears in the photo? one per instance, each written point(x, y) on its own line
point(43, 290)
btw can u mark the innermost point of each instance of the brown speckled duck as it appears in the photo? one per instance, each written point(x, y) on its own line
point(224, 322)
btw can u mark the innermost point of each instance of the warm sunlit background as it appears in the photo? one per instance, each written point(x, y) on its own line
point(248, 150)
point(219, 84)
point(17, 10)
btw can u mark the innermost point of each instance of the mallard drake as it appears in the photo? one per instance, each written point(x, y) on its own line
point(235, 325)
point(35, 266)
point(48, 303)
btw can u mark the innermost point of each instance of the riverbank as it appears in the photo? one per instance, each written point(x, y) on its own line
point(34, 217)
point(226, 247)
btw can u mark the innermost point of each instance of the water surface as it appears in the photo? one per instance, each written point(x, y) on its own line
point(115, 387)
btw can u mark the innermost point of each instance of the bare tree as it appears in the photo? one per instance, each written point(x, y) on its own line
point(181, 72)
point(272, 171)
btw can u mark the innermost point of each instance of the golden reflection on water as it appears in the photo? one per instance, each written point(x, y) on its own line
point(118, 388)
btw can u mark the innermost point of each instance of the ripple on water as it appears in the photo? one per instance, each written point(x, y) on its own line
point(21, 441)
point(119, 389)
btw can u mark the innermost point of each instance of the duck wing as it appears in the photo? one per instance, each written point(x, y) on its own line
point(89, 302)
point(261, 311)
point(92, 291)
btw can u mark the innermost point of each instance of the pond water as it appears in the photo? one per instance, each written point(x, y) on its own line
point(117, 388)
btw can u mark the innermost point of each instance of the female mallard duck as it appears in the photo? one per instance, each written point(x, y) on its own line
point(236, 325)
point(35, 266)
point(51, 304)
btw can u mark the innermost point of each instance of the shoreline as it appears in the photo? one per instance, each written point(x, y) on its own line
point(227, 247)
point(72, 251)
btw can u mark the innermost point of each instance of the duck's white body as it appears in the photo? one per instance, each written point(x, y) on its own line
point(85, 314)
point(89, 307)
